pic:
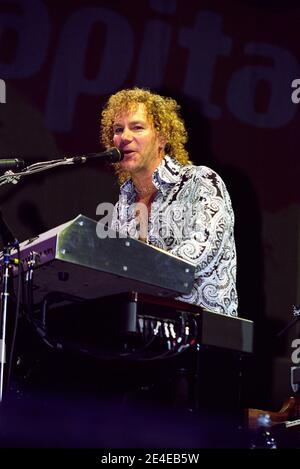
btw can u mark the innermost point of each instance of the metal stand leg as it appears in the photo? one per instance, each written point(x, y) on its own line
point(3, 319)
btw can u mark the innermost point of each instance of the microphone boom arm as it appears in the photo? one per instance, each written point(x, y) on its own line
point(112, 155)
point(10, 176)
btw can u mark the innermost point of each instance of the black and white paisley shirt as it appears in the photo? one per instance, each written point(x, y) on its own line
point(191, 217)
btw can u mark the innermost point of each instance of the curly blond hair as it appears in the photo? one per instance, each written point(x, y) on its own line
point(162, 111)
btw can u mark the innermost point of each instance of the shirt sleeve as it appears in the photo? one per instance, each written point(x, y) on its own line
point(207, 233)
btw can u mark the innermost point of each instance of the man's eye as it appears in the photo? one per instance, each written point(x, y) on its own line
point(118, 130)
point(138, 127)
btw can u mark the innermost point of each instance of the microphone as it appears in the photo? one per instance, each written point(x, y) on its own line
point(112, 155)
point(15, 163)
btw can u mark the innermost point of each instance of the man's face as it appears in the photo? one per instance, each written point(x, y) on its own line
point(135, 136)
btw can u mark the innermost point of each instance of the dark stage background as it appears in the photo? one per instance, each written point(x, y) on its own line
point(230, 65)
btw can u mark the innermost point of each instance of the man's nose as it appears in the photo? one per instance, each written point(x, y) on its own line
point(126, 134)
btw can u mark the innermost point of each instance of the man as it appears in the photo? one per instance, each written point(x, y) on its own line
point(165, 200)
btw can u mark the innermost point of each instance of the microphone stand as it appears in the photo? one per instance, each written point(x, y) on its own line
point(4, 306)
point(9, 242)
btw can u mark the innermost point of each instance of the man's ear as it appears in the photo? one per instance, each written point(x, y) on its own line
point(162, 141)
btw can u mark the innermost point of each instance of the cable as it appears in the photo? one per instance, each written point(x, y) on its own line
point(177, 350)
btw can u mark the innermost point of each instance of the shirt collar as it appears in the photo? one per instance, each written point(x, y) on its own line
point(166, 175)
